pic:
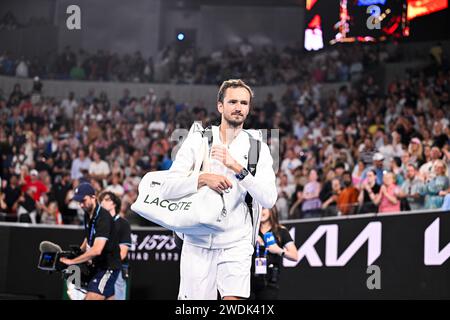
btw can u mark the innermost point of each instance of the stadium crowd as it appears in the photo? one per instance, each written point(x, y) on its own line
point(359, 150)
point(10, 22)
point(178, 64)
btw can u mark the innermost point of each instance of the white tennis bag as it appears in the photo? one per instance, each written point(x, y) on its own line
point(202, 212)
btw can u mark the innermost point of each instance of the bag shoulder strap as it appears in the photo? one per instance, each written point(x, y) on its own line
point(253, 158)
point(207, 132)
point(253, 154)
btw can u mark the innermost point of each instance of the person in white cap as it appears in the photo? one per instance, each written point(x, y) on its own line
point(377, 167)
point(378, 159)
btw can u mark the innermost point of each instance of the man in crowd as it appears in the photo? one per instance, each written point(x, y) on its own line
point(411, 188)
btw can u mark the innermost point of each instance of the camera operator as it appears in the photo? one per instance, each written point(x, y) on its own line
point(100, 245)
point(111, 202)
point(274, 243)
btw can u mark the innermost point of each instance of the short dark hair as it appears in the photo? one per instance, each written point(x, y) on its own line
point(339, 165)
point(233, 83)
point(411, 164)
point(114, 198)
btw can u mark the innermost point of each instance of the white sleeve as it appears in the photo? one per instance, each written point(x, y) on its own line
point(284, 165)
point(91, 168)
point(262, 187)
point(106, 170)
point(180, 181)
point(74, 169)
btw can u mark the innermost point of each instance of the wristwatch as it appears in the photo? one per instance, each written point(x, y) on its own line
point(282, 253)
point(242, 174)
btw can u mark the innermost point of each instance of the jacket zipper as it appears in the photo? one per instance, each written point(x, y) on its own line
point(255, 226)
point(223, 212)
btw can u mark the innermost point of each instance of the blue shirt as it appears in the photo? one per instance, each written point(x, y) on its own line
point(77, 166)
point(446, 205)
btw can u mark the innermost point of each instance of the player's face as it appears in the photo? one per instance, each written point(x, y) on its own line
point(235, 106)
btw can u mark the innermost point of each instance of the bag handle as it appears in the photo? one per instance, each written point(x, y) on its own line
point(203, 158)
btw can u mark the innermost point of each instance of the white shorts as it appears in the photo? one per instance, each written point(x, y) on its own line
point(203, 272)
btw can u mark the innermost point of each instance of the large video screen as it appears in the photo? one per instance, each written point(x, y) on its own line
point(330, 22)
point(338, 21)
point(417, 8)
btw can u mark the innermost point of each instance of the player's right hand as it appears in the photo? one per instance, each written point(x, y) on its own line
point(214, 181)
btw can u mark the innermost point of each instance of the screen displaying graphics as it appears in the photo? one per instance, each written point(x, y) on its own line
point(417, 8)
point(320, 17)
point(428, 20)
point(330, 22)
point(313, 34)
point(370, 21)
point(339, 21)
point(47, 261)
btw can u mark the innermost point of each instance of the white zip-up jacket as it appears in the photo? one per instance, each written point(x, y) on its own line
point(262, 187)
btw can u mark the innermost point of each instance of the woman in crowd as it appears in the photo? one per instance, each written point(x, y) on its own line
point(311, 204)
point(433, 190)
point(51, 214)
point(357, 174)
point(63, 162)
point(369, 187)
point(329, 207)
point(295, 212)
point(387, 199)
point(415, 150)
